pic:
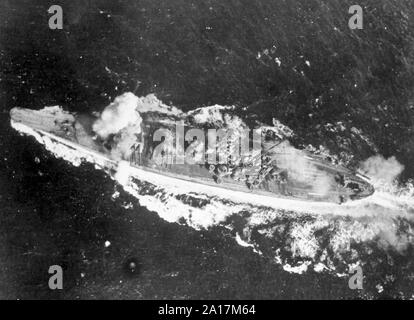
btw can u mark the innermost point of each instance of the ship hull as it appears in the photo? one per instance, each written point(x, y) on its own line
point(78, 136)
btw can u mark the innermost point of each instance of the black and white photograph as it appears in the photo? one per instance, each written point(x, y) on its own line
point(214, 150)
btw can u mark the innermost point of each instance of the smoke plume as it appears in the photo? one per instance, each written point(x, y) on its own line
point(382, 170)
point(301, 169)
point(122, 121)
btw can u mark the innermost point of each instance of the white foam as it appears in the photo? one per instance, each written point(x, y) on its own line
point(299, 269)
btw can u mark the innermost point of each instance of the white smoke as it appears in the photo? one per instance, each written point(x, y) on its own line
point(301, 169)
point(215, 115)
point(381, 170)
point(122, 120)
point(118, 115)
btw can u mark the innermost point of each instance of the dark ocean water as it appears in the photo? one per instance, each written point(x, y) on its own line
point(190, 54)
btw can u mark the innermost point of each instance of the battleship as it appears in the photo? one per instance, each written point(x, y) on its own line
point(275, 172)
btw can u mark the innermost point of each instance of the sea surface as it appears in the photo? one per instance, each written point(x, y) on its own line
point(347, 91)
